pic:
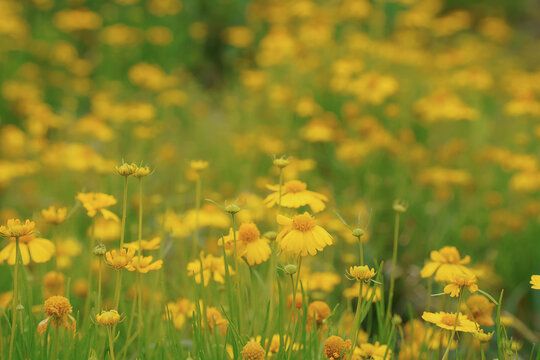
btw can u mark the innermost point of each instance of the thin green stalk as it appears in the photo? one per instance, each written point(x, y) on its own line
point(98, 302)
point(361, 250)
point(124, 211)
point(198, 187)
point(356, 325)
point(111, 342)
point(429, 289)
point(394, 265)
point(139, 281)
point(117, 288)
point(445, 356)
point(238, 277)
point(14, 298)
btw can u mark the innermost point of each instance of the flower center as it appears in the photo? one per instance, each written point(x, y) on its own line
point(449, 319)
point(248, 233)
point(303, 222)
point(295, 186)
point(57, 305)
point(451, 255)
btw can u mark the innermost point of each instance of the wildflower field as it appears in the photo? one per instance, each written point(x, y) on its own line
point(269, 179)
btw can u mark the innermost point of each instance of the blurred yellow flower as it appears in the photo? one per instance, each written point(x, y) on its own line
point(447, 321)
point(119, 258)
point(295, 195)
point(459, 281)
point(143, 264)
point(535, 282)
point(54, 215)
point(94, 202)
point(445, 263)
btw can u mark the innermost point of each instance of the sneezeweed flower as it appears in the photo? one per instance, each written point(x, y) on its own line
point(400, 206)
point(178, 311)
point(282, 162)
point(318, 311)
point(213, 268)
point(38, 249)
point(478, 308)
point(126, 169)
point(444, 263)
point(362, 273)
point(198, 165)
point(298, 300)
point(484, 337)
point(54, 215)
point(15, 228)
point(119, 258)
point(447, 321)
point(457, 282)
point(249, 244)
point(336, 348)
point(143, 264)
point(301, 235)
point(535, 282)
point(294, 194)
point(367, 351)
point(145, 244)
point(253, 351)
point(94, 202)
point(141, 172)
point(58, 310)
point(216, 321)
point(367, 292)
point(108, 318)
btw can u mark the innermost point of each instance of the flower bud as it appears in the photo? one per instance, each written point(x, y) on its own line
point(396, 320)
point(290, 269)
point(100, 249)
point(232, 209)
point(270, 235)
point(125, 169)
point(399, 206)
point(358, 232)
point(281, 162)
point(19, 307)
point(141, 172)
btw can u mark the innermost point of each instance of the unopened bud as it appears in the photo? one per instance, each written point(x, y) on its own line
point(19, 307)
point(396, 320)
point(358, 232)
point(290, 269)
point(232, 209)
point(282, 162)
point(270, 235)
point(100, 249)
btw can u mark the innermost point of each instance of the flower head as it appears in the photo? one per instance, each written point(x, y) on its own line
point(457, 282)
point(444, 263)
point(335, 347)
point(208, 267)
point(361, 272)
point(141, 172)
point(38, 249)
point(144, 264)
point(479, 309)
point(15, 228)
point(301, 235)
point(318, 311)
point(152, 244)
point(58, 310)
point(125, 169)
point(249, 244)
point(54, 215)
point(253, 351)
point(535, 282)
point(108, 318)
point(198, 165)
point(94, 202)
point(294, 194)
point(447, 321)
point(119, 258)
point(369, 351)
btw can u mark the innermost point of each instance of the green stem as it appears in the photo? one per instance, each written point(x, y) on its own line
point(111, 342)
point(394, 265)
point(361, 249)
point(198, 187)
point(356, 324)
point(117, 288)
point(124, 210)
point(14, 298)
point(238, 277)
point(429, 289)
point(280, 189)
point(139, 282)
point(98, 302)
point(445, 356)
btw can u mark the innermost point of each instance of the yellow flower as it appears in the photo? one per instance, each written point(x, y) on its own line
point(447, 321)
point(145, 244)
point(483, 337)
point(119, 258)
point(14, 228)
point(367, 292)
point(318, 311)
point(336, 348)
point(58, 310)
point(480, 308)
point(105, 230)
point(213, 268)
point(459, 281)
point(54, 215)
point(94, 202)
point(367, 351)
point(301, 235)
point(108, 318)
point(40, 250)
point(294, 195)
point(178, 310)
point(215, 320)
point(361, 272)
point(324, 281)
point(53, 284)
point(253, 351)
point(144, 265)
point(198, 165)
point(535, 282)
point(250, 244)
point(126, 169)
point(141, 171)
point(444, 263)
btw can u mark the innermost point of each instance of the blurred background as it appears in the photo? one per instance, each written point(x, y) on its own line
point(435, 102)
